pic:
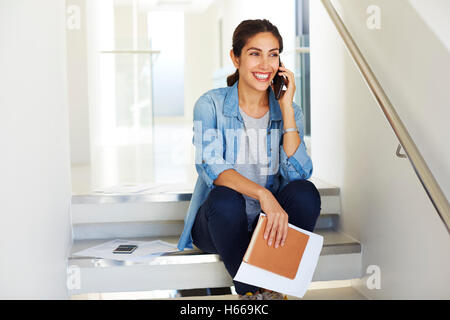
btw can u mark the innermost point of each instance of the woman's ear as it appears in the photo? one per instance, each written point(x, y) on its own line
point(234, 59)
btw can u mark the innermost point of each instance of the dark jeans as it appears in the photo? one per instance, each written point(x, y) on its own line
point(221, 223)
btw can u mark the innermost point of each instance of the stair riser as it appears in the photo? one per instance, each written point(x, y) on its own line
point(87, 231)
point(156, 211)
point(193, 276)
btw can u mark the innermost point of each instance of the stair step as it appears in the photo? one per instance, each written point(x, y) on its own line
point(340, 259)
point(171, 193)
point(344, 293)
point(85, 231)
point(163, 206)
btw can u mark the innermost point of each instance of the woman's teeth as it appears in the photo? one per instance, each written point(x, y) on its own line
point(261, 76)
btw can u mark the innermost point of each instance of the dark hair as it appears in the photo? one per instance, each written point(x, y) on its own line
point(243, 32)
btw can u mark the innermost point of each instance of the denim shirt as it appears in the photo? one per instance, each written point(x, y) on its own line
point(217, 121)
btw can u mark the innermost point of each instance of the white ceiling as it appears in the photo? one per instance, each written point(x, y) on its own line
point(175, 5)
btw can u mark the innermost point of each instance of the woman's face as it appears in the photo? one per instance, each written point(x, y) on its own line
point(259, 61)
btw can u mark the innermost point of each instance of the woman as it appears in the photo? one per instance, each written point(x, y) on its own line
point(250, 157)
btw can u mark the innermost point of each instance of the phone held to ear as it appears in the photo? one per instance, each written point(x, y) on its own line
point(278, 83)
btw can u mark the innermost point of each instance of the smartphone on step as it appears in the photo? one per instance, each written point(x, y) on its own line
point(125, 248)
point(278, 83)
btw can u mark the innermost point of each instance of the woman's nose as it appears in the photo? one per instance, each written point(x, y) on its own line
point(265, 63)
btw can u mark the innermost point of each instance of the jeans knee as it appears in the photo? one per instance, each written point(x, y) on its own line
point(306, 193)
point(226, 202)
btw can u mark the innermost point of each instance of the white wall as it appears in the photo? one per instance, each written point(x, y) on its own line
point(35, 161)
point(353, 146)
point(201, 54)
point(166, 32)
point(77, 84)
point(435, 15)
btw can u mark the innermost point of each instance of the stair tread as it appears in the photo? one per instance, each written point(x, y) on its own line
point(171, 193)
point(334, 243)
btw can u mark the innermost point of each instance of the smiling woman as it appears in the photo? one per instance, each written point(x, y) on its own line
point(262, 169)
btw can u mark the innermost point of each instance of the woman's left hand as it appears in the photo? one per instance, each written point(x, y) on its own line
point(289, 80)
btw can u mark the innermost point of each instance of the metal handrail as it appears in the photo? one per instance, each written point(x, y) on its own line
point(424, 174)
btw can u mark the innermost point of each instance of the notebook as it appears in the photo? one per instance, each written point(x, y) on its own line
point(280, 263)
point(284, 260)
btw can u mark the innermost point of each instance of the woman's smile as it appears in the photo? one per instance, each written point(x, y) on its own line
point(262, 76)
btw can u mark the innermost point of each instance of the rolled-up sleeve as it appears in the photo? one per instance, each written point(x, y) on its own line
point(299, 165)
point(208, 141)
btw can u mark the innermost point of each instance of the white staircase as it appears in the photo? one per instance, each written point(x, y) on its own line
point(149, 216)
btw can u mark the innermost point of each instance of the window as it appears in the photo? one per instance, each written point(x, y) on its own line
point(302, 72)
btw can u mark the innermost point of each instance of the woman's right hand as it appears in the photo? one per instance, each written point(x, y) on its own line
point(277, 219)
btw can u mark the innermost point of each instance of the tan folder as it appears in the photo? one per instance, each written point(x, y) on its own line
point(283, 261)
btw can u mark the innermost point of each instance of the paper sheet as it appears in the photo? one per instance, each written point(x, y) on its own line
point(296, 287)
point(136, 188)
point(145, 252)
point(128, 188)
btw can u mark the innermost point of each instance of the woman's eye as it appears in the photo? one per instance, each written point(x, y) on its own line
point(257, 53)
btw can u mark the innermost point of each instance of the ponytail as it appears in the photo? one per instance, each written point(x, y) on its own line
point(231, 79)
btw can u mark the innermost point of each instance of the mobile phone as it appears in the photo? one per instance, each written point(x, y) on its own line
point(278, 83)
point(125, 248)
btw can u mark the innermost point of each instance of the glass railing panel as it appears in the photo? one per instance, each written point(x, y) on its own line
point(302, 80)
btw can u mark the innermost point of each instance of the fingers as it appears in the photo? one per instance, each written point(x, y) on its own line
point(273, 229)
point(277, 220)
point(286, 228)
point(276, 229)
point(268, 226)
point(289, 79)
point(287, 73)
point(284, 70)
point(280, 232)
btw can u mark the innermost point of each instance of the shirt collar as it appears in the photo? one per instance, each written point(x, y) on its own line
point(231, 104)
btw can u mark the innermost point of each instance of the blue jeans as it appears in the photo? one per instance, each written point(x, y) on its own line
point(221, 225)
